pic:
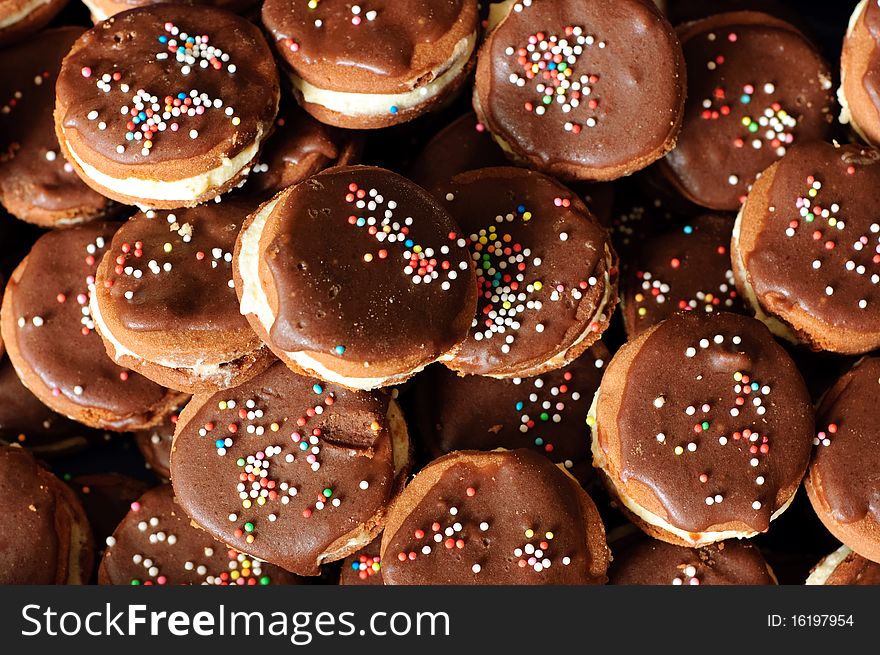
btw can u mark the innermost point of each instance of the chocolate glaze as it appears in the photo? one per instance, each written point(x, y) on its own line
point(781, 268)
point(35, 540)
point(871, 79)
point(328, 295)
point(848, 459)
point(386, 46)
point(752, 80)
point(563, 251)
point(363, 568)
point(155, 445)
point(685, 269)
point(631, 62)
point(128, 44)
point(65, 352)
point(520, 499)
point(855, 570)
point(346, 449)
point(195, 294)
point(181, 553)
point(546, 413)
point(651, 562)
point(28, 422)
point(663, 374)
point(33, 172)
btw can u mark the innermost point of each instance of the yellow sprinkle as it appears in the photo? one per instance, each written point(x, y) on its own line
point(374, 426)
point(236, 120)
point(167, 247)
point(591, 421)
point(679, 450)
point(642, 311)
point(246, 564)
point(249, 539)
point(527, 216)
point(530, 533)
point(737, 376)
point(274, 427)
point(261, 501)
point(538, 286)
point(549, 535)
point(221, 404)
point(246, 503)
point(484, 240)
point(368, 257)
point(417, 249)
point(746, 120)
point(235, 575)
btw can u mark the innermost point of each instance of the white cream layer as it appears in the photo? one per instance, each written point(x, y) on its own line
point(829, 564)
point(21, 14)
point(183, 190)
point(703, 538)
point(379, 104)
point(845, 114)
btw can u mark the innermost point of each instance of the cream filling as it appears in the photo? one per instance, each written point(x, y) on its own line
point(98, 14)
point(186, 189)
point(703, 538)
point(498, 11)
point(823, 570)
point(200, 370)
point(845, 114)
point(775, 326)
point(21, 14)
point(372, 104)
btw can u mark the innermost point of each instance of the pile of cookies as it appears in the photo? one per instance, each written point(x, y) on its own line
point(438, 292)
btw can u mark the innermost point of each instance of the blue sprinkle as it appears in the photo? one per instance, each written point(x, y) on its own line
point(688, 229)
point(519, 406)
point(339, 350)
point(318, 388)
point(181, 96)
point(361, 222)
point(220, 443)
point(408, 243)
point(355, 566)
point(393, 109)
point(539, 441)
point(163, 39)
point(745, 99)
point(303, 445)
point(129, 136)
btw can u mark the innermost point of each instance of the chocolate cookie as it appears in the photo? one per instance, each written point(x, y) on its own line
point(36, 183)
point(546, 272)
point(546, 413)
point(844, 479)
point(651, 562)
point(806, 248)
point(686, 269)
point(582, 90)
point(505, 517)
point(46, 536)
point(101, 10)
point(377, 64)
point(859, 92)
point(155, 444)
point(702, 428)
point(21, 18)
point(756, 85)
point(26, 421)
point(155, 544)
point(150, 111)
point(356, 276)
point(165, 304)
point(50, 336)
point(363, 568)
point(300, 147)
point(844, 567)
point(291, 470)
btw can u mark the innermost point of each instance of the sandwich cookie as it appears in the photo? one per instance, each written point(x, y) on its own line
point(36, 183)
point(504, 517)
point(165, 303)
point(356, 276)
point(374, 64)
point(50, 336)
point(546, 272)
point(21, 18)
point(859, 92)
point(806, 248)
point(702, 428)
point(685, 269)
point(101, 10)
point(46, 535)
point(166, 105)
point(291, 470)
point(581, 90)
point(844, 567)
point(756, 85)
point(155, 544)
point(844, 479)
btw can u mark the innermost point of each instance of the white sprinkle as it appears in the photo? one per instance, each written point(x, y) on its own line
point(563, 236)
point(476, 568)
point(756, 505)
point(364, 485)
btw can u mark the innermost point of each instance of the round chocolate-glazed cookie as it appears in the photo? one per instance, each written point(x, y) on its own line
point(844, 479)
point(289, 469)
point(21, 18)
point(652, 562)
point(363, 567)
point(859, 92)
point(50, 336)
point(46, 535)
point(26, 421)
point(155, 544)
point(155, 444)
point(582, 90)
point(755, 86)
point(685, 269)
point(844, 567)
point(374, 64)
point(300, 147)
point(36, 183)
point(546, 413)
point(503, 517)
point(165, 303)
point(166, 105)
point(101, 10)
point(546, 272)
point(806, 247)
point(356, 276)
point(702, 428)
